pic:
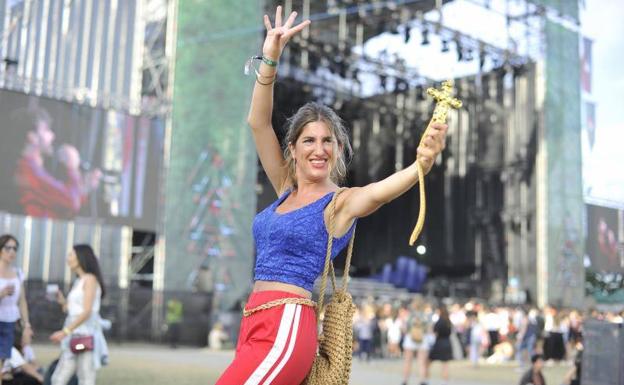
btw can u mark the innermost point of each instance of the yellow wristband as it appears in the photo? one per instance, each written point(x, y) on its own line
point(67, 331)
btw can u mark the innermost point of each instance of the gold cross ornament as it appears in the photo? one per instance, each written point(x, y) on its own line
point(445, 101)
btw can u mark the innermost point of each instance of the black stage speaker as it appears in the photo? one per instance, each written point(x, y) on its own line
point(603, 358)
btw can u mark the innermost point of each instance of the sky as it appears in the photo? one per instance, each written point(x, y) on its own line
point(601, 21)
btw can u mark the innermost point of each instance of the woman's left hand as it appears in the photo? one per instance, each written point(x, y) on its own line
point(431, 146)
point(57, 336)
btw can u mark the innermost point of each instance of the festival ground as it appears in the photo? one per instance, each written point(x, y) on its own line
point(142, 364)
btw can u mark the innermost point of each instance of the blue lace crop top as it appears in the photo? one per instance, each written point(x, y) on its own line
point(291, 247)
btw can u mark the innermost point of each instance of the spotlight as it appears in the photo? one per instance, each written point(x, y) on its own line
point(421, 249)
point(469, 56)
point(445, 45)
point(425, 36)
point(382, 81)
point(8, 62)
point(408, 32)
point(401, 85)
point(459, 49)
point(481, 59)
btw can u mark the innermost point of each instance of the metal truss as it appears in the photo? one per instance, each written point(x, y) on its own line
point(104, 53)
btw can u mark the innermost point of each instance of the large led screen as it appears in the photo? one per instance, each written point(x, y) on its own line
point(603, 245)
point(65, 161)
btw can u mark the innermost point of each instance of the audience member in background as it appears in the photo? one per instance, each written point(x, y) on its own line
point(477, 338)
point(394, 326)
point(83, 318)
point(442, 350)
point(364, 327)
point(573, 377)
point(415, 341)
point(527, 337)
point(493, 325)
point(554, 345)
point(217, 337)
point(13, 306)
point(17, 370)
point(173, 317)
point(534, 375)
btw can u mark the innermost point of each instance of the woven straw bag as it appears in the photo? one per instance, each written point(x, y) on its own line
point(332, 365)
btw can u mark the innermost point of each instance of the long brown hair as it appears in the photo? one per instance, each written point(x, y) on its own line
point(89, 264)
point(315, 112)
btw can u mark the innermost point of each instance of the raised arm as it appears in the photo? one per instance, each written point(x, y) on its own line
point(260, 112)
point(359, 202)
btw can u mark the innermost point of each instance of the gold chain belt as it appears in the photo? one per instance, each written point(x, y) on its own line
point(278, 302)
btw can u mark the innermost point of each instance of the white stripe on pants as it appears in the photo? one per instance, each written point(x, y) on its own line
point(278, 346)
point(81, 364)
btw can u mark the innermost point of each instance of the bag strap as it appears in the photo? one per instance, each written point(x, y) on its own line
point(328, 262)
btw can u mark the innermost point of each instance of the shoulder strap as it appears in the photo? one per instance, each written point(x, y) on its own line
point(328, 261)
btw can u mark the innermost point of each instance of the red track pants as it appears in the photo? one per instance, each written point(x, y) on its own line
point(276, 346)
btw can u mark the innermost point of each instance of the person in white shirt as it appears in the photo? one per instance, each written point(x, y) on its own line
point(13, 306)
point(83, 318)
point(17, 365)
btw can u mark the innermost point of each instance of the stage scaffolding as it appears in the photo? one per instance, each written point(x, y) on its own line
point(110, 54)
point(481, 223)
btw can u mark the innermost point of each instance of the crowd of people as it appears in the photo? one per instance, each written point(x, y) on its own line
point(83, 348)
point(473, 330)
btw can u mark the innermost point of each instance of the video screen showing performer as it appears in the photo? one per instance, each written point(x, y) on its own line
point(603, 246)
point(65, 161)
point(40, 193)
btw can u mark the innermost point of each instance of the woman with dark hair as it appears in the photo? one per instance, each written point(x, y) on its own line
point(13, 306)
point(442, 349)
point(83, 321)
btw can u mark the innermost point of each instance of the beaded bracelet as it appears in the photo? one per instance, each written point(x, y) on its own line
point(269, 62)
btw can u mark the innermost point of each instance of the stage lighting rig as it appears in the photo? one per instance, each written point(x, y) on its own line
point(10, 62)
point(445, 45)
point(468, 56)
point(425, 36)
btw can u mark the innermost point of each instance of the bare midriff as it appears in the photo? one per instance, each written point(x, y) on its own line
point(280, 286)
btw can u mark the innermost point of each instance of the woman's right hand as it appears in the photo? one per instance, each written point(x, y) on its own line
point(57, 336)
point(278, 36)
point(7, 291)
